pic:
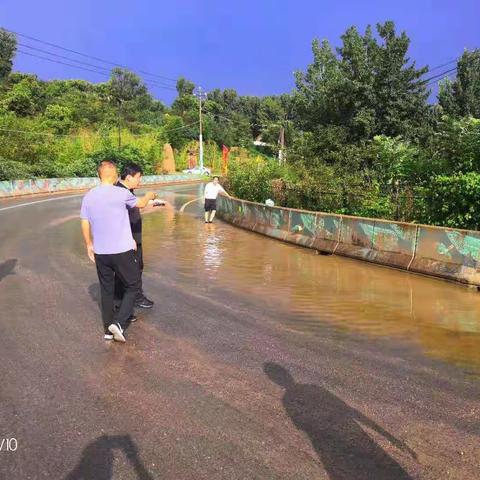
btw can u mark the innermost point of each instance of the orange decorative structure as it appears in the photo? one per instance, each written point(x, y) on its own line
point(192, 159)
point(225, 152)
point(168, 165)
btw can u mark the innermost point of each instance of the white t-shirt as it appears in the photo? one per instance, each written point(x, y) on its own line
point(212, 190)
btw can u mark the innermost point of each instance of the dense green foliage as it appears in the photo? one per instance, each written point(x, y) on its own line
point(63, 127)
point(363, 139)
point(461, 97)
point(365, 88)
point(7, 51)
point(437, 182)
point(357, 134)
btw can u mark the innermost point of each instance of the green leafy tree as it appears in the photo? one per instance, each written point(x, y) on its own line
point(24, 97)
point(58, 118)
point(175, 133)
point(12, 170)
point(185, 87)
point(186, 104)
point(461, 97)
point(455, 147)
point(8, 47)
point(125, 86)
point(89, 103)
point(124, 89)
point(453, 201)
point(369, 87)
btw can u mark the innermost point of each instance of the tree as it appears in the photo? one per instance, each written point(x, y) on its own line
point(125, 86)
point(318, 90)
point(8, 47)
point(461, 97)
point(401, 106)
point(123, 89)
point(59, 118)
point(185, 87)
point(175, 133)
point(455, 147)
point(367, 86)
point(185, 105)
point(24, 98)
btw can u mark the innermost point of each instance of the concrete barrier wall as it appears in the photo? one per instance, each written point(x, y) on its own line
point(15, 188)
point(452, 254)
point(301, 228)
point(279, 223)
point(448, 253)
point(394, 244)
point(356, 238)
point(327, 236)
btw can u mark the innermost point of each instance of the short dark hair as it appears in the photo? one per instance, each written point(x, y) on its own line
point(131, 169)
point(216, 177)
point(106, 162)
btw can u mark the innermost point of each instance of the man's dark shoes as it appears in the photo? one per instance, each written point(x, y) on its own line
point(144, 302)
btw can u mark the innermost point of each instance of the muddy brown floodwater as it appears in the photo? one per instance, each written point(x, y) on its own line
point(314, 291)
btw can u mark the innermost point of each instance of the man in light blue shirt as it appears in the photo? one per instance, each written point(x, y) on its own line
point(110, 244)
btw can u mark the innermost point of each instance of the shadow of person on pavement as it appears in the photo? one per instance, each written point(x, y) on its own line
point(98, 456)
point(345, 449)
point(7, 267)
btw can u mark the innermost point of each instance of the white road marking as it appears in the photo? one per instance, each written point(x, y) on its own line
point(188, 203)
point(80, 195)
point(39, 201)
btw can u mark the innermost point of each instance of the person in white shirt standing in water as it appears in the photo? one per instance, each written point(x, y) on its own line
point(212, 189)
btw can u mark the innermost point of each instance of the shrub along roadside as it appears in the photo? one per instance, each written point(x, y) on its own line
point(385, 178)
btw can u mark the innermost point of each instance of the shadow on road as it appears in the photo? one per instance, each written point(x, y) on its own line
point(97, 459)
point(346, 451)
point(7, 268)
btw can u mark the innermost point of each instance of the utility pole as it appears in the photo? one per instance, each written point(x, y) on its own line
point(202, 95)
point(119, 123)
point(281, 146)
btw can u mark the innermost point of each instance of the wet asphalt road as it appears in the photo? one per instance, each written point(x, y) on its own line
point(222, 379)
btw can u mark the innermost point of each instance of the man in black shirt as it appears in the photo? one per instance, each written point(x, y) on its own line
point(130, 179)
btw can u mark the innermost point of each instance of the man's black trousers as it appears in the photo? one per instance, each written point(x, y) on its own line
point(125, 267)
point(119, 286)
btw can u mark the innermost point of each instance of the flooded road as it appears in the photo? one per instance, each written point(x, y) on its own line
point(314, 291)
point(259, 360)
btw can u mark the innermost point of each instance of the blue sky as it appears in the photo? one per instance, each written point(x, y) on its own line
point(252, 46)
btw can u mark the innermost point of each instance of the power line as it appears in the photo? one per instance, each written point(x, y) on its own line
point(65, 58)
point(33, 133)
point(150, 83)
point(436, 81)
point(62, 63)
point(433, 80)
point(11, 130)
point(440, 74)
point(115, 64)
point(169, 130)
point(443, 65)
point(238, 121)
